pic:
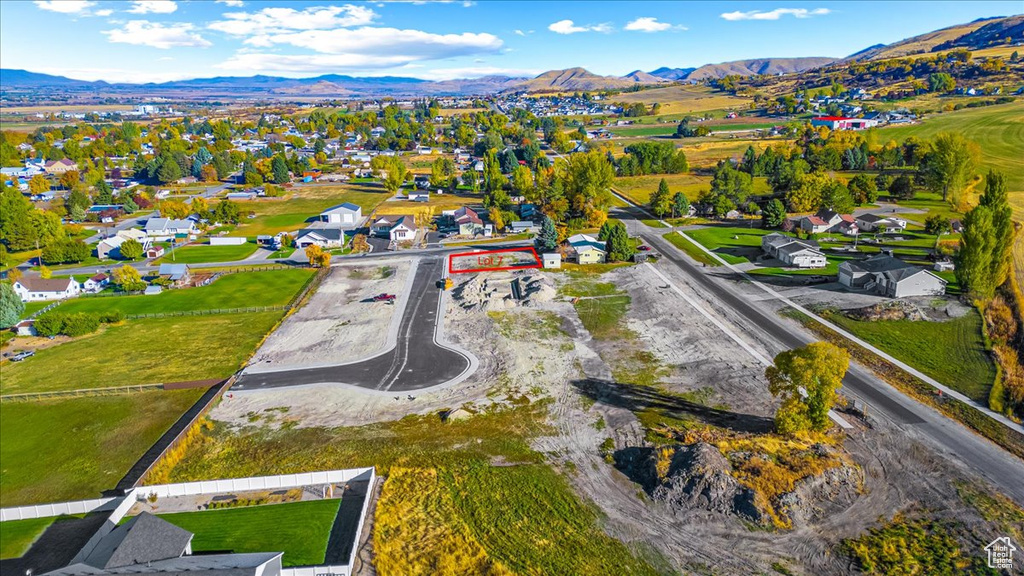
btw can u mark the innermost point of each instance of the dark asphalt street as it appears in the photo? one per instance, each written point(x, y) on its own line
point(416, 361)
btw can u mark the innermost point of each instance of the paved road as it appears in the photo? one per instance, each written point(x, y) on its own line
point(984, 457)
point(416, 361)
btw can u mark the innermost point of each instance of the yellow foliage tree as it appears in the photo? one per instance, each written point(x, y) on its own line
point(807, 380)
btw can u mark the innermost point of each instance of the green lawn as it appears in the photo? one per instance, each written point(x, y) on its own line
point(952, 352)
point(237, 290)
point(199, 253)
point(152, 350)
point(283, 253)
point(640, 130)
point(17, 536)
point(731, 243)
point(75, 448)
point(691, 249)
point(299, 529)
point(33, 307)
point(291, 212)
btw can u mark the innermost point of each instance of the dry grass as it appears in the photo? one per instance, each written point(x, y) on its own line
point(685, 99)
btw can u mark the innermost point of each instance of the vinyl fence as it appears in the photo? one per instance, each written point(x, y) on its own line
point(57, 509)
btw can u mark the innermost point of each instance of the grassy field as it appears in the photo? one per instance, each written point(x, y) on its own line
point(152, 350)
point(198, 253)
point(72, 449)
point(299, 529)
point(238, 290)
point(952, 352)
point(291, 212)
point(642, 130)
point(998, 130)
point(16, 536)
point(691, 249)
point(640, 188)
point(679, 100)
point(730, 242)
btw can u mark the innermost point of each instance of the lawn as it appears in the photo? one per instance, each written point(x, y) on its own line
point(237, 290)
point(152, 350)
point(953, 352)
point(17, 536)
point(290, 213)
point(199, 253)
point(33, 307)
point(691, 249)
point(681, 99)
point(72, 449)
point(299, 529)
point(644, 130)
point(732, 244)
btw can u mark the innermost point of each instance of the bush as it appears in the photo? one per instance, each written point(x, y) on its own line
point(111, 317)
point(57, 323)
point(50, 324)
point(80, 324)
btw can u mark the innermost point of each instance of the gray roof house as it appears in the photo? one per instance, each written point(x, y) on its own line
point(176, 273)
point(346, 215)
point(322, 237)
point(889, 276)
point(166, 227)
point(793, 252)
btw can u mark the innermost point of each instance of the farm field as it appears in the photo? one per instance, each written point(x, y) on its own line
point(640, 188)
point(145, 351)
point(998, 130)
point(75, 448)
point(199, 253)
point(291, 212)
point(679, 100)
point(953, 352)
point(299, 529)
point(237, 290)
point(437, 204)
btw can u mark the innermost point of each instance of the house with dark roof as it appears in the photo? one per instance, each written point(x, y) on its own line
point(36, 289)
point(873, 222)
point(889, 276)
point(792, 251)
point(96, 283)
point(322, 237)
point(176, 274)
point(394, 227)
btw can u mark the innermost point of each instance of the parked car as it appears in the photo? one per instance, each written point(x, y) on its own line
point(816, 280)
point(389, 298)
point(22, 355)
point(644, 248)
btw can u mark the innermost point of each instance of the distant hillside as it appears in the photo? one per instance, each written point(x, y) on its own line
point(11, 77)
point(642, 77)
point(758, 66)
point(672, 73)
point(974, 35)
point(572, 79)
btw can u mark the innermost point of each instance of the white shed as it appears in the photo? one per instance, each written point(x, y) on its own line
point(552, 260)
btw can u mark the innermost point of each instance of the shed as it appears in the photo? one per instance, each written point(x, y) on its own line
point(227, 240)
point(552, 260)
point(153, 290)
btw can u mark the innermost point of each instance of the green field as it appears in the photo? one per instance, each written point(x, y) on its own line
point(200, 253)
point(730, 242)
point(998, 130)
point(17, 536)
point(691, 249)
point(237, 290)
point(291, 212)
point(33, 307)
point(145, 351)
point(641, 130)
point(299, 529)
point(72, 449)
point(953, 352)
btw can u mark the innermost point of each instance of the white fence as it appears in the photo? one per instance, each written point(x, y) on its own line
point(254, 483)
point(57, 509)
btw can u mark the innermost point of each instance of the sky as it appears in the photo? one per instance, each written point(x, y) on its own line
point(161, 40)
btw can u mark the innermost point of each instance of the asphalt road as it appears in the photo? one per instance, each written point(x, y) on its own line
point(984, 457)
point(416, 361)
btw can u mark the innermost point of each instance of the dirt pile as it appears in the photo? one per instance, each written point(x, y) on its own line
point(817, 497)
point(537, 289)
point(894, 310)
point(493, 292)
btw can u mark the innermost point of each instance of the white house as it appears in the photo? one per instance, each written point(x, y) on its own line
point(890, 276)
point(322, 237)
point(346, 215)
point(872, 222)
point(96, 283)
point(398, 228)
point(35, 289)
point(586, 249)
point(163, 229)
point(793, 252)
point(552, 260)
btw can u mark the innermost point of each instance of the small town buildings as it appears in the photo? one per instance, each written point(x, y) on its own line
point(25, 328)
point(843, 122)
point(873, 222)
point(468, 222)
point(96, 283)
point(227, 240)
point(891, 277)
point(322, 237)
point(793, 252)
point(35, 289)
point(176, 274)
point(163, 229)
point(59, 167)
point(155, 252)
point(523, 226)
point(825, 221)
point(586, 249)
point(394, 227)
point(346, 215)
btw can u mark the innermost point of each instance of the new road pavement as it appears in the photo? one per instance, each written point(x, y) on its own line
point(417, 361)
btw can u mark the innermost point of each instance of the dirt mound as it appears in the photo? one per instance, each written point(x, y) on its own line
point(491, 291)
point(817, 497)
point(894, 310)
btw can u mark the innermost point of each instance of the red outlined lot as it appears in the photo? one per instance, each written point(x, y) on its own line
point(492, 260)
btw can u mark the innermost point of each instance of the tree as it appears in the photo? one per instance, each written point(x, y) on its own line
point(128, 279)
point(69, 179)
point(359, 243)
point(174, 209)
point(547, 240)
point(442, 173)
point(208, 173)
point(227, 212)
point(493, 177)
point(974, 260)
point(837, 198)
point(807, 380)
point(941, 82)
point(723, 205)
point(38, 184)
point(317, 256)
point(470, 179)
point(11, 306)
point(279, 170)
point(619, 246)
point(680, 205)
point(169, 171)
point(773, 215)
point(950, 166)
point(902, 188)
point(734, 184)
point(996, 200)
point(522, 180)
point(391, 170)
point(661, 200)
point(494, 215)
point(863, 189)
point(936, 225)
point(131, 249)
point(66, 250)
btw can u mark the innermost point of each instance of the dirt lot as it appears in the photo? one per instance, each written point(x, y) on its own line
point(339, 323)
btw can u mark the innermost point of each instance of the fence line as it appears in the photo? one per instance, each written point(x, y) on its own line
point(105, 391)
point(56, 509)
point(46, 308)
point(209, 312)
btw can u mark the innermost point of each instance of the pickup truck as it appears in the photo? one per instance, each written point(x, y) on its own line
point(389, 298)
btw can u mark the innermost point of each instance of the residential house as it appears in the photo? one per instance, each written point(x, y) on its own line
point(873, 222)
point(890, 276)
point(322, 237)
point(346, 215)
point(419, 196)
point(843, 122)
point(468, 222)
point(586, 249)
point(163, 229)
point(177, 274)
point(36, 289)
point(552, 260)
point(155, 252)
point(59, 167)
point(523, 226)
point(395, 227)
point(828, 221)
point(96, 283)
point(793, 252)
point(25, 328)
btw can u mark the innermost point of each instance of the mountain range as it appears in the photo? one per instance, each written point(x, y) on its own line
point(974, 35)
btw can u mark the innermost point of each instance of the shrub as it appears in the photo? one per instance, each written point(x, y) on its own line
point(80, 324)
point(111, 317)
point(50, 324)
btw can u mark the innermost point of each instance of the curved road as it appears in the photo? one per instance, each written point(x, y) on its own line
point(417, 361)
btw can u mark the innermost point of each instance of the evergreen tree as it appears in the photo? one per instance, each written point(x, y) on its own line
point(680, 205)
point(773, 214)
point(547, 240)
point(661, 199)
point(11, 306)
point(996, 200)
point(279, 170)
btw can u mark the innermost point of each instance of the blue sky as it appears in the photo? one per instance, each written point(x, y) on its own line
point(160, 40)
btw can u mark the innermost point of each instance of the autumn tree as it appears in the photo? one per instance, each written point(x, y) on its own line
point(128, 279)
point(359, 243)
point(131, 249)
point(442, 173)
point(38, 184)
point(950, 166)
point(807, 380)
point(317, 257)
point(391, 170)
point(174, 209)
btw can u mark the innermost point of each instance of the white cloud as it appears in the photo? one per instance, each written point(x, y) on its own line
point(648, 24)
point(523, 32)
point(103, 13)
point(153, 7)
point(570, 27)
point(65, 6)
point(231, 3)
point(156, 35)
point(775, 14)
point(276, 20)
